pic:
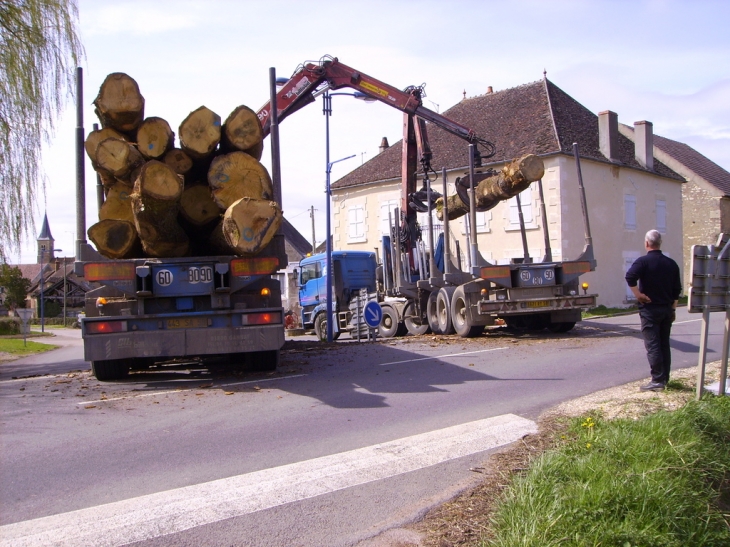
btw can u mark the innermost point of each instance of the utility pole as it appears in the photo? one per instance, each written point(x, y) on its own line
point(314, 241)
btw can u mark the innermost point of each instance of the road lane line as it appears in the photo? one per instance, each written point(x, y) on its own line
point(441, 356)
point(155, 393)
point(172, 511)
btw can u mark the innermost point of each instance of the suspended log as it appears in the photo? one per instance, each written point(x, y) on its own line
point(155, 204)
point(200, 133)
point(237, 175)
point(117, 204)
point(118, 158)
point(249, 225)
point(241, 130)
point(154, 138)
point(515, 177)
point(119, 104)
point(96, 137)
point(179, 161)
point(115, 239)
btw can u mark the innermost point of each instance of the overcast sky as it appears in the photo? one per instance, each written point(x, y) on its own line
point(664, 61)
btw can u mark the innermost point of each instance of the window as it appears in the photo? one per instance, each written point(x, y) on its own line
point(525, 203)
point(482, 222)
point(388, 208)
point(309, 272)
point(661, 216)
point(356, 224)
point(629, 212)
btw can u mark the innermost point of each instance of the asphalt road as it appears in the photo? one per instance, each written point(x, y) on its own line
point(338, 445)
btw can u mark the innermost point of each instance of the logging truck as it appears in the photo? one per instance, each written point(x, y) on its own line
point(421, 290)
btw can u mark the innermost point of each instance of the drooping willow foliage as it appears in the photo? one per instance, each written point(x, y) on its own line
point(39, 50)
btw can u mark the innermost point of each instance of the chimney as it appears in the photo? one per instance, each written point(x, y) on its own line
point(490, 90)
point(383, 145)
point(644, 143)
point(608, 134)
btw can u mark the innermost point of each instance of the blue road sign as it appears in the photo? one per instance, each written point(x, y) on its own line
point(373, 314)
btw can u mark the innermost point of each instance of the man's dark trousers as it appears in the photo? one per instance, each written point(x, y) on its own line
point(656, 323)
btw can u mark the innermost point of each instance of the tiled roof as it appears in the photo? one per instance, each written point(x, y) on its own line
point(537, 118)
point(695, 162)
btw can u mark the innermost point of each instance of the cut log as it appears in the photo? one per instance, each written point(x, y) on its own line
point(514, 177)
point(237, 175)
point(155, 204)
point(179, 161)
point(117, 205)
point(95, 137)
point(197, 206)
point(250, 224)
point(119, 104)
point(242, 130)
point(154, 138)
point(118, 158)
point(200, 133)
point(256, 151)
point(115, 239)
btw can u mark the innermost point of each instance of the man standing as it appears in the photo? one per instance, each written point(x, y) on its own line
point(658, 291)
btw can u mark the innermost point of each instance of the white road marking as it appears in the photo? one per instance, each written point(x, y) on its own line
point(172, 511)
point(155, 393)
point(441, 356)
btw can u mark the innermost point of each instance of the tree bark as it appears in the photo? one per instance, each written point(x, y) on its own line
point(117, 204)
point(97, 136)
point(155, 204)
point(154, 138)
point(119, 104)
point(115, 239)
point(250, 224)
point(242, 130)
point(118, 158)
point(237, 175)
point(515, 177)
point(200, 133)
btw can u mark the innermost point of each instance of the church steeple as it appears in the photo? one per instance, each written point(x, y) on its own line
point(45, 243)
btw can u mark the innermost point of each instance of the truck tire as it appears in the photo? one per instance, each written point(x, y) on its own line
point(320, 328)
point(415, 324)
point(561, 327)
point(389, 326)
point(443, 309)
point(460, 318)
point(109, 370)
point(431, 315)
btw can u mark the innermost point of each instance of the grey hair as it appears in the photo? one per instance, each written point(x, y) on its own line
point(654, 239)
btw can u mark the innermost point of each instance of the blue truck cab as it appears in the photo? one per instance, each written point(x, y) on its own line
point(352, 271)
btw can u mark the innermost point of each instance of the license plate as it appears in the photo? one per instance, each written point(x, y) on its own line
point(187, 323)
point(537, 304)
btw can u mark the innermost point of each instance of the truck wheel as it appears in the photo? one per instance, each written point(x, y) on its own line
point(389, 326)
point(320, 328)
point(112, 369)
point(460, 318)
point(431, 315)
point(561, 327)
point(443, 309)
point(415, 324)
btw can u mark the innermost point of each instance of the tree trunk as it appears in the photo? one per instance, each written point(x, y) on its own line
point(256, 151)
point(96, 137)
point(155, 204)
point(200, 133)
point(117, 205)
point(237, 175)
point(515, 177)
point(179, 161)
point(198, 212)
point(154, 138)
point(115, 239)
point(250, 224)
point(118, 158)
point(242, 130)
point(119, 104)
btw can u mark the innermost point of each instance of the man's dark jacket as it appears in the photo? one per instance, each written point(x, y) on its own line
point(658, 278)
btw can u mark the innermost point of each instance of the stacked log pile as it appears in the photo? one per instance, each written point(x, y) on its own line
point(211, 195)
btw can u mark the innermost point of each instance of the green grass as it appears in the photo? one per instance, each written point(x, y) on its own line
point(15, 346)
point(603, 310)
point(661, 481)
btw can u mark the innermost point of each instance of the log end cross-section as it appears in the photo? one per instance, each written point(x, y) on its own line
point(237, 175)
point(154, 138)
point(200, 133)
point(250, 224)
point(119, 104)
point(115, 239)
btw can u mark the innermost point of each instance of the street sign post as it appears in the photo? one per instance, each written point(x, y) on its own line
point(25, 314)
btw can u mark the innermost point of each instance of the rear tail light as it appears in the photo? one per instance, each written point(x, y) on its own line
point(585, 301)
point(105, 327)
point(108, 271)
point(264, 318)
point(254, 266)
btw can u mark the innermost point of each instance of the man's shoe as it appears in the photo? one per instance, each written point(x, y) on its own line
point(653, 386)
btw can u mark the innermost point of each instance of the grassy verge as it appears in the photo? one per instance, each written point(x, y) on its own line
point(600, 311)
point(662, 480)
point(15, 346)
